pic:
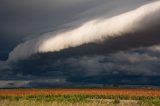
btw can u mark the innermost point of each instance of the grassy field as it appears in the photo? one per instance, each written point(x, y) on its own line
point(80, 97)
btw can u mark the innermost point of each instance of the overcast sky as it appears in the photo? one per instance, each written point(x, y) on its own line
point(79, 42)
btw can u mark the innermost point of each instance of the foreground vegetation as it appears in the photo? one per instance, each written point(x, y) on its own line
point(79, 100)
point(80, 97)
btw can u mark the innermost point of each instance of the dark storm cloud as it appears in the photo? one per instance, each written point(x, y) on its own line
point(130, 56)
point(22, 20)
point(92, 31)
point(137, 66)
point(129, 41)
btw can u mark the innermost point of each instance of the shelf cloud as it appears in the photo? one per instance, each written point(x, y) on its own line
point(92, 31)
point(54, 41)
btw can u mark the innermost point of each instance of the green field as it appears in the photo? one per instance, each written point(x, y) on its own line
point(79, 100)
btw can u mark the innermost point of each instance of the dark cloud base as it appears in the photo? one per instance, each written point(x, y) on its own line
point(93, 81)
point(94, 63)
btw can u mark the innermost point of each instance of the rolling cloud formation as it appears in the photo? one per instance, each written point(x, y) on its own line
point(91, 31)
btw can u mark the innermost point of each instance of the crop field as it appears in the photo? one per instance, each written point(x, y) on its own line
point(80, 97)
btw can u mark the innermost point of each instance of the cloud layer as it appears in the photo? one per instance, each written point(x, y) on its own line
point(110, 42)
point(96, 30)
point(139, 66)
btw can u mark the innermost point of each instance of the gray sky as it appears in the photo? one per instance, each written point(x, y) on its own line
point(134, 53)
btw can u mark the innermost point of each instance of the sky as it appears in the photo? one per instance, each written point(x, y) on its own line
point(52, 43)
